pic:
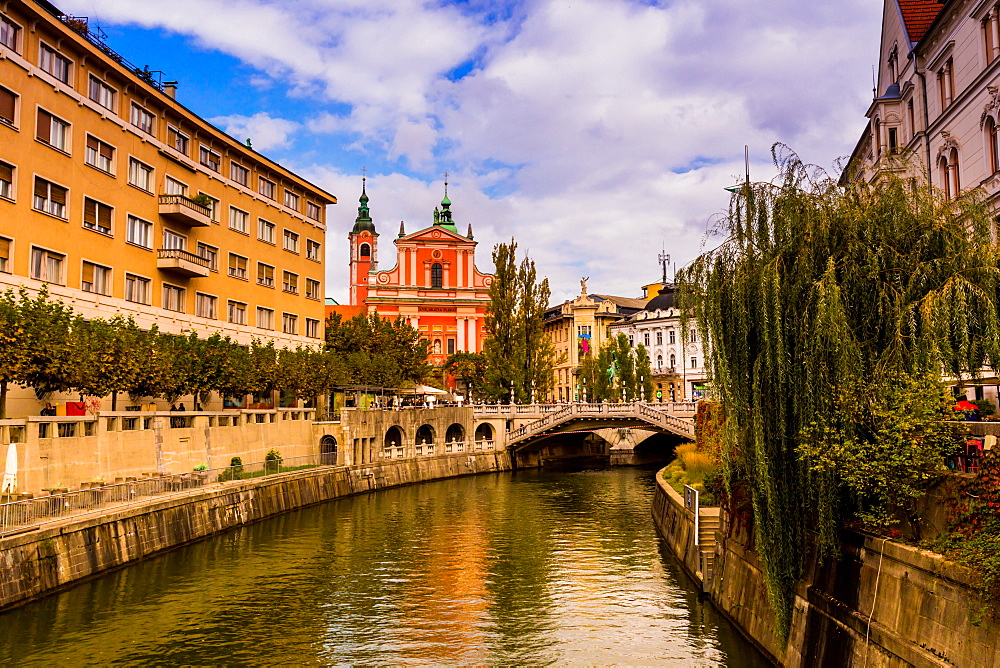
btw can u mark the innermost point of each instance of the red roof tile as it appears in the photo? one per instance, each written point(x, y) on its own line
point(918, 15)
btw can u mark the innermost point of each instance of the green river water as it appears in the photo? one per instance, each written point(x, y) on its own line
point(524, 568)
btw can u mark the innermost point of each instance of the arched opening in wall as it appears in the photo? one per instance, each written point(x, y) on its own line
point(328, 451)
point(393, 438)
point(425, 435)
point(455, 434)
point(993, 155)
point(484, 432)
point(366, 251)
point(436, 275)
point(943, 174)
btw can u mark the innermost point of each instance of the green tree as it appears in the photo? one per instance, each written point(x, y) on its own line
point(625, 366)
point(828, 306)
point(376, 351)
point(644, 371)
point(469, 368)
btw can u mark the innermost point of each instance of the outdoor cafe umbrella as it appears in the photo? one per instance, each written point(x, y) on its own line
point(965, 406)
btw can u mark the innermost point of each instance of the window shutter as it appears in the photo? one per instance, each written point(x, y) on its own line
point(41, 188)
point(4, 248)
point(104, 215)
point(6, 172)
point(261, 273)
point(93, 143)
point(7, 104)
point(59, 195)
point(242, 263)
point(88, 272)
point(233, 262)
point(90, 212)
point(106, 151)
point(45, 126)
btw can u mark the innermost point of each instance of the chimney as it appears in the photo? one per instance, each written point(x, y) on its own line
point(170, 88)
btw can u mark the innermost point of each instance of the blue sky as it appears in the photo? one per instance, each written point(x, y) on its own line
point(594, 132)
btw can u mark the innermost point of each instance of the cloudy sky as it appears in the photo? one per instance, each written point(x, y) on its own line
point(595, 132)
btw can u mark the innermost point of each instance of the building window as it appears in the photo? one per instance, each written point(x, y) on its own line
point(174, 241)
point(10, 34)
point(694, 362)
point(583, 331)
point(172, 186)
point(893, 141)
point(206, 306)
point(102, 93)
point(948, 169)
point(238, 266)
point(139, 232)
point(53, 131)
point(265, 275)
point(673, 362)
point(693, 335)
point(140, 175)
point(213, 207)
point(47, 266)
point(672, 336)
point(436, 278)
point(210, 253)
point(989, 37)
point(136, 289)
point(312, 328)
point(312, 210)
point(142, 119)
point(911, 118)
point(290, 282)
point(645, 339)
point(266, 188)
point(289, 323)
point(99, 155)
point(265, 318)
point(451, 346)
point(53, 62)
point(96, 279)
point(97, 216)
point(173, 298)
point(50, 198)
point(265, 231)
point(237, 313)
point(238, 219)
point(992, 152)
point(312, 288)
point(178, 140)
point(313, 250)
point(946, 84)
point(8, 106)
point(291, 241)
point(209, 158)
point(239, 173)
point(291, 200)
point(365, 252)
point(5, 244)
point(6, 181)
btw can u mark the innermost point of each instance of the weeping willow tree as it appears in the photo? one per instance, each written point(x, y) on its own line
point(832, 311)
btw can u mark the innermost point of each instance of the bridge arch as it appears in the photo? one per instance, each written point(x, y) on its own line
point(455, 434)
point(484, 432)
point(425, 435)
point(393, 437)
point(328, 451)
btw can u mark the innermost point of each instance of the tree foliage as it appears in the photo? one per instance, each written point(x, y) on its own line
point(376, 351)
point(468, 367)
point(830, 309)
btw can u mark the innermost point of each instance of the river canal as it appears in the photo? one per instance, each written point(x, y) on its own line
point(525, 568)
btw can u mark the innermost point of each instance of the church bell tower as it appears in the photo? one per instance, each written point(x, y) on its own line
point(364, 250)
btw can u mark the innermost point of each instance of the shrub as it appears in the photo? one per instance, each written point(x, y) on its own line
point(272, 461)
point(985, 407)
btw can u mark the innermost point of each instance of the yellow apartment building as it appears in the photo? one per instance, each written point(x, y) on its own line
point(125, 202)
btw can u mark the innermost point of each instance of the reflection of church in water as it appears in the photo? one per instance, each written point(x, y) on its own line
point(434, 284)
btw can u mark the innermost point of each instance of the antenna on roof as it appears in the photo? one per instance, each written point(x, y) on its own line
point(664, 259)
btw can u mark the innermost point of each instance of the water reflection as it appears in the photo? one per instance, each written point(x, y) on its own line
point(528, 568)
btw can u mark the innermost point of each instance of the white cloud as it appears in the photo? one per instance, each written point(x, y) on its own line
point(265, 132)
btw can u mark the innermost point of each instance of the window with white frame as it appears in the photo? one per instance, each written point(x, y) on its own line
point(209, 158)
point(659, 338)
point(266, 187)
point(5, 263)
point(206, 306)
point(645, 339)
point(239, 173)
point(312, 328)
point(238, 266)
point(172, 186)
point(53, 62)
point(50, 197)
point(312, 288)
point(291, 200)
point(139, 232)
point(213, 207)
point(313, 250)
point(177, 140)
point(6, 180)
point(237, 313)
point(210, 253)
point(238, 219)
point(265, 231)
point(291, 241)
point(10, 34)
point(672, 335)
point(289, 323)
point(694, 362)
point(99, 154)
point(102, 93)
point(53, 130)
point(265, 275)
point(96, 278)
point(140, 175)
point(97, 215)
point(173, 298)
point(137, 289)
point(265, 318)
point(290, 282)
point(693, 335)
point(47, 266)
point(312, 210)
point(8, 106)
point(174, 241)
point(142, 119)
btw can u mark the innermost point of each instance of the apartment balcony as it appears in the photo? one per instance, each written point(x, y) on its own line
point(180, 209)
point(182, 263)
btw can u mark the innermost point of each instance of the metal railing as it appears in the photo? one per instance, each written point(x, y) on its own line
point(29, 513)
point(186, 201)
point(178, 254)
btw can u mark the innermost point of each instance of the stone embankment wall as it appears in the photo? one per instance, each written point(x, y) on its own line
point(881, 604)
point(35, 563)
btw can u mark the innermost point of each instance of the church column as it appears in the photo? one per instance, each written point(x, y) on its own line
point(446, 276)
point(413, 266)
point(461, 321)
point(471, 268)
point(472, 323)
point(459, 257)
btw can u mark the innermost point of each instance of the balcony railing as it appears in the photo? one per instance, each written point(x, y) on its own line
point(182, 262)
point(184, 210)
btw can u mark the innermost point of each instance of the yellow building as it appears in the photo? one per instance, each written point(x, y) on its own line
point(578, 327)
point(125, 202)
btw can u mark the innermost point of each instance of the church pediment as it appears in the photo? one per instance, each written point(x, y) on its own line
point(435, 233)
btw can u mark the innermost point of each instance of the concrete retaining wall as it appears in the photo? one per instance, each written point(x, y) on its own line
point(921, 608)
point(38, 562)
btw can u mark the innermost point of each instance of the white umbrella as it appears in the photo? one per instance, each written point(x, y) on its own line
point(9, 483)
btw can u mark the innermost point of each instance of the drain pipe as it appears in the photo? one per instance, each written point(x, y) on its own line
point(927, 124)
